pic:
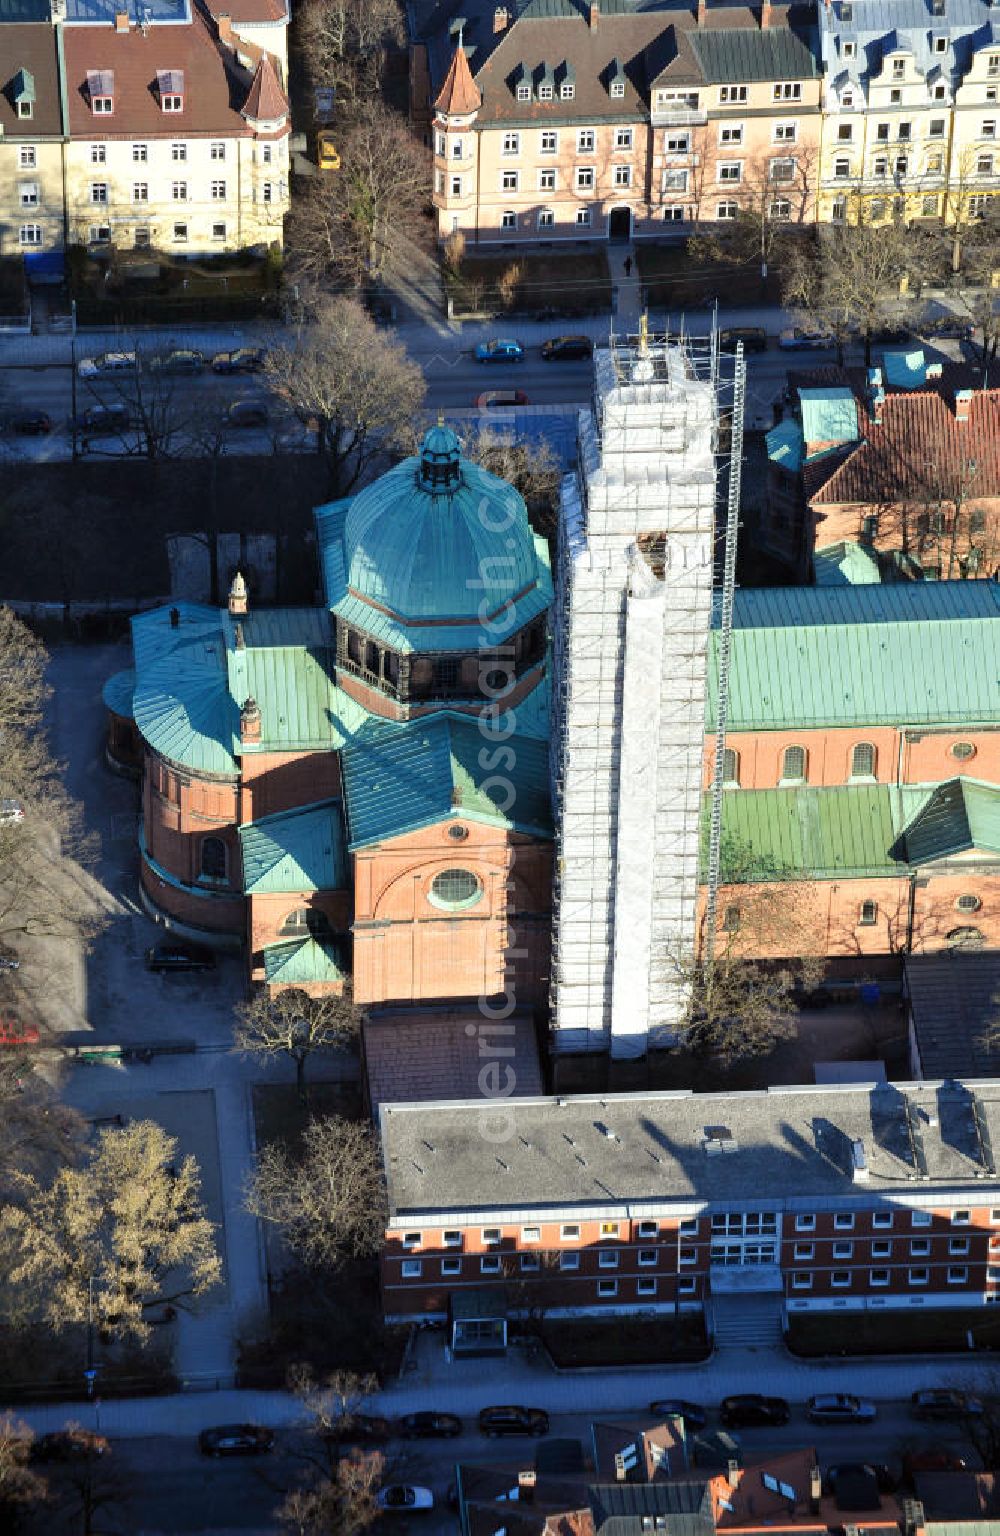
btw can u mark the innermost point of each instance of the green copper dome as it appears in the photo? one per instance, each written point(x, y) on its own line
point(439, 538)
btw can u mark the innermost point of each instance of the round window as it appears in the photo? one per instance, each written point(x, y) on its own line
point(455, 889)
point(968, 903)
point(963, 750)
point(458, 833)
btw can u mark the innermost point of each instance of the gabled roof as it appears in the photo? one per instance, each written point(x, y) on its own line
point(28, 48)
point(293, 851)
point(914, 652)
point(266, 102)
point(398, 778)
point(951, 1002)
point(845, 565)
point(459, 95)
point(828, 415)
point(957, 817)
point(304, 960)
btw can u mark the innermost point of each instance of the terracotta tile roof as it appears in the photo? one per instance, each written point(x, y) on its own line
point(30, 46)
point(215, 86)
point(459, 94)
point(919, 429)
point(429, 1055)
point(252, 11)
point(266, 101)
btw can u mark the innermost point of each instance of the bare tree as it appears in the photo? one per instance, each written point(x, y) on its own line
point(344, 43)
point(330, 1204)
point(335, 1401)
point(340, 1505)
point(292, 1023)
point(123, 1231)
point(349, 225)
point(773, 202)
point(37, 1132)
point(356, 384)
point(21, 1487)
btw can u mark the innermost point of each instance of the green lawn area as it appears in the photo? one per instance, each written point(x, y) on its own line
point(626, 1340)
point(673, 281)
point(890, 1332)
point(575, 283)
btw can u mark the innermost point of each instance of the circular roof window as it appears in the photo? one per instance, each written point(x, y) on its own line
point(457, 832)
point(963, 750)
point(456, 889)
point(968, 903)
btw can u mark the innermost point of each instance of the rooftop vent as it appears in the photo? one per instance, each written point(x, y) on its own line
point(859, 1162)
point(719, 1139)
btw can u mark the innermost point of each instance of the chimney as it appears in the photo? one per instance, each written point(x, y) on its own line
point(225, 28)
point(526, 1485)
point(733, 1473)
point(501, 19)
point(700, 12)
point(595, 15)
point(963, 404)
point(765, 15)
point(121, 21)
point(238, 594)
point(815, 1490)
point(250, 721)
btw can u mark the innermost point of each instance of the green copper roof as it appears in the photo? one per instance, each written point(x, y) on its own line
point(740, 54)
point(182, 703)
point(303, 960)
point(845, 565)
point(300, 850)
point(829, 415)
point(855, 830)
point(907, 653)
point(401, 777)
point(785, 446)
point(437, 538)
point(286, 665)
point(118, 692)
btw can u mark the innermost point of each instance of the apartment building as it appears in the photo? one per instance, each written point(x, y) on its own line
point(167, 128)
point(555, 122)
point(825, 1199)
point(910, 109)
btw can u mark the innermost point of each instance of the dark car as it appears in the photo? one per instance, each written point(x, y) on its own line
point(30, 423)
point(753, 1408)
point(242, 360)
point(932, 1459)
point(182, 361)
point(179, 957)
point(893, 335)
point(246, 413)
point(430, 1426)
point(69, 1445)
point(514, 1421)
point(951, 327)
point(753, 337)
point(236, 1440)
point(567, 348)
point(693, 1415)
point(840, 1408)
point(490, 399)
point(356, 1427)
point(944, 1403)
point(97, 419)
point(849, 1474)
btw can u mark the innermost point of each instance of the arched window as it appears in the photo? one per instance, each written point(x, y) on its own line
point(213, 859)
point(966, 938)
point(863, 761)
point(869, 914)
point(793, 765)
point(304, 922)
point(730, 767)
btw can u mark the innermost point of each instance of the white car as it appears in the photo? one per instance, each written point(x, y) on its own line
point(10, 812)
point(401, 1498)
point(106, 364)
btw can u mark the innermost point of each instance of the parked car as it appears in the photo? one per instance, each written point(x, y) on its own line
point(242, 360)
point(856, 1471)
point(499, 351)
point(511, 1420)
point(356, 1427)
point(327, 153)
point(100, 419)
point(840, 1408)
point(932, 1459)
point(402, 1498)
point(11, 811)
point(179, 957)
point(31, 423)
point(491, 398)
point(107, 364)
point(245, 413)
point(9, 962)
point(693, 1415)
point(753, 337)
point(944, 1403)
point(69, 1445)
point(182, 361)
point(797, 340)
point(236, 1440)
point(567, 348)
point(949, 326)
point(893, 335)
point(753, 1408)
point(430, 1426)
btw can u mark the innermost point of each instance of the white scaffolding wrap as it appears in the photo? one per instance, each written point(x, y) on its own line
point(632, 620)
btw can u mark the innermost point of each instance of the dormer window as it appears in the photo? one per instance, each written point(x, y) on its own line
point(545, 91)
point(616, 79)
point(567, 82)
point(170, 88)
point(567, 91)
point(23, 92)
point(524, 93)
point(101, 91)
point(618, 88)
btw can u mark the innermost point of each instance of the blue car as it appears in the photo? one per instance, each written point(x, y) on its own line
point(497, 351)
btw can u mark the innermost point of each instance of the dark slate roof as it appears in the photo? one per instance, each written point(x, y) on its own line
point(747, 54)
point(29, 45)
point(23, 10)
point(951, 996)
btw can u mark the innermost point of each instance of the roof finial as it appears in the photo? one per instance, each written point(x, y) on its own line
point(644, 335)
